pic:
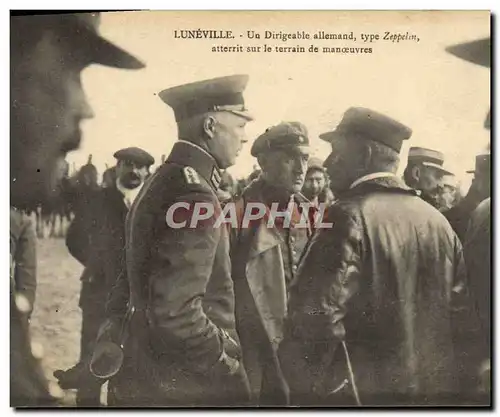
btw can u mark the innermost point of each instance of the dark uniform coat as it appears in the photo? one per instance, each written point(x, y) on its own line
point(98, 240)
point(182, 292)
point(384, 280)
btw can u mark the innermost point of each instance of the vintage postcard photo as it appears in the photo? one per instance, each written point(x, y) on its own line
point(250, 209)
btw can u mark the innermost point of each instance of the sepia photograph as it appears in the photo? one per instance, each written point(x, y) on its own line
point(250, 209)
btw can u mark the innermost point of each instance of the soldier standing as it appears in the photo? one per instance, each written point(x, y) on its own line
point(265, 258)
point(48, 53)
point(376, 288)
point(425, 172)
point(181, 347)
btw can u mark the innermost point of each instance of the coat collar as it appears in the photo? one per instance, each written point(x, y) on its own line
point(264, 237)
point(380, 183)
point(189, 154)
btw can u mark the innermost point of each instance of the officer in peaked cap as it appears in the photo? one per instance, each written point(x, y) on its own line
point(424, 172)
point(357, 289)
point(361, 126)
point(224, 94)
point(48, 53)
point(282, 152)
point(181, 269)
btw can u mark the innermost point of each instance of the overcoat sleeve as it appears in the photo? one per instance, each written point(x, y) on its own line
point(180, 273)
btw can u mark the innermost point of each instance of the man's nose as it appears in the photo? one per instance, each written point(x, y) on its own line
point(85, 110)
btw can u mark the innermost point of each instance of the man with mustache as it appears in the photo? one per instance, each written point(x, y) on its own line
point(425, 172)
point(48, 104)
point(104, 224)
point(265, 258)
point(316, 188)
point(370, 313)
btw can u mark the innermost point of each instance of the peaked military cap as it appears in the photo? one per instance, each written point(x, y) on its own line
point(136, 155)
point(291, 135)
point(428, 157)
point(482, 164)
point(477, 52)
point(217, 94)
point(371, 125)
point(82, 30)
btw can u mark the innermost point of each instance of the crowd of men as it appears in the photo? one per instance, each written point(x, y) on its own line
point(388, 306)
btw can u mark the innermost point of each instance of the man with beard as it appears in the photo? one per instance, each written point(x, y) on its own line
point(265, 258)
point(369, 318)
point(424, 173)
point(48, 54)
point(480, 189)
point(176, 300)
point(104, 262)
point(316, 188)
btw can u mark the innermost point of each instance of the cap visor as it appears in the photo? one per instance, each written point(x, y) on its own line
point(478, 52)
point(329, 136)
point(106, 53)
point(243, 114)
point(438, 167)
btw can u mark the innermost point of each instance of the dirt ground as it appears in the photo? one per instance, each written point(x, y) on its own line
point(56, 319)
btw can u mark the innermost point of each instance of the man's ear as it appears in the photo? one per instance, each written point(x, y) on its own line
point(209, 126)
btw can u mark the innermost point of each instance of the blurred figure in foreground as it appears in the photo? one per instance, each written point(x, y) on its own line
point(48, 104)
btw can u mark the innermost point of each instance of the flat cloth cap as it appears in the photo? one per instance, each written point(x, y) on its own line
point(82, 31)
point(286, 135)
point(428, 157)
point(217, 94)
point(135, 155)
point(370, 125)
point(315, 163)
point(483, 164)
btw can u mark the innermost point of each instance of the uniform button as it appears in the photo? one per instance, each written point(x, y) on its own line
point(292, 239)
point(294, 268)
